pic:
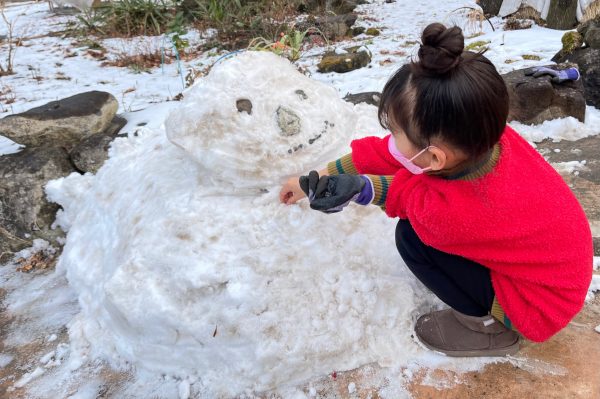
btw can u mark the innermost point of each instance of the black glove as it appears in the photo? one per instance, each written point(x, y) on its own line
point(331, 194)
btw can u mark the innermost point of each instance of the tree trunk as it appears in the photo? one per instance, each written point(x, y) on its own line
point(490, 7)
point(562, 14)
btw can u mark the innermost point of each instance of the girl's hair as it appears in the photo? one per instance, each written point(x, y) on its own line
point(455, 95)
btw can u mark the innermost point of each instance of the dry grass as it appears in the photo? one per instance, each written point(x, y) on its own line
point(592, 12)
point(38, 261)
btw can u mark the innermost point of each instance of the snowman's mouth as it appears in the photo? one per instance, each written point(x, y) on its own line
point(312, 140)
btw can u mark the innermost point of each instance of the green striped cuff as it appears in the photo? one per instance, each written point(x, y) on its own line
point(499, 314)
point(381, 185)
point(341, 166)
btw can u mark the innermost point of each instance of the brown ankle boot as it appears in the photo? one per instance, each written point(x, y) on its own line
point(455, 334)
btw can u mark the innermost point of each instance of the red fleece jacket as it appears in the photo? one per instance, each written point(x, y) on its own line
point(520, 220)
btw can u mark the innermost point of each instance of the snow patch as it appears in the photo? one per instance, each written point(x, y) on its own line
point(561, 129)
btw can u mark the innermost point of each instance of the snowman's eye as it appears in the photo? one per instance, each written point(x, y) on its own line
point(244, 105)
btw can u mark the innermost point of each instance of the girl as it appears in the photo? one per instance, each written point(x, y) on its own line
point(484, 221)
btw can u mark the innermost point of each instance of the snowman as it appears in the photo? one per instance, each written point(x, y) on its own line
point(186, 263)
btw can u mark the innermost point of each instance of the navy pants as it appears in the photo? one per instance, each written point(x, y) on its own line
point(462, 284)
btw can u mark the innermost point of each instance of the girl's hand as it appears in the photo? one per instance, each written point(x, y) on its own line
point(291, 192)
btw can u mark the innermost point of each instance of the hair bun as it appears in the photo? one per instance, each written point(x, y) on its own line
point(441, 48)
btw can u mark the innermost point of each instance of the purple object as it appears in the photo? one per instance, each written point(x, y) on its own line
point(365, 197)
point(557, 76)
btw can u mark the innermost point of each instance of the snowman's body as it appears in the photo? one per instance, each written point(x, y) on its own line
point(187, 264)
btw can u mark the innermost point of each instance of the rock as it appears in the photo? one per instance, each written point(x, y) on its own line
point(369, 97)
point(571, 41)
point(25, 214)
point(92, 151)
point(528, 12)
point(341, 63)
point(588, 61)
point(517, 24)
point(332, 27)
point(534, 100)
point(335, 6)
point(562, 14)
point(358, 30)
point(63, 121)
point(592, 36)
point(244, 105)
point(373, 32)
point(490, 7)
point(288, 121)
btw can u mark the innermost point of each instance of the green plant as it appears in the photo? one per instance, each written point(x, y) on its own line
point(218, 11)
point(289, 44)
point(478, 45)
point(175, 29)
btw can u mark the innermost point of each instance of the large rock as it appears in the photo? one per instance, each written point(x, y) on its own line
point(588, 61)
point(591, 33)
point(62, 122)
point(535, 100)
point(333, 27)
point(346, 62)
point(92, 151)
point(25, 213)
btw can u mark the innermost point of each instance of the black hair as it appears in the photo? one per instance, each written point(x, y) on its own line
point(455, 95)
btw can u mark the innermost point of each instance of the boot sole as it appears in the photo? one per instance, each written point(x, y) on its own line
point(497, 352)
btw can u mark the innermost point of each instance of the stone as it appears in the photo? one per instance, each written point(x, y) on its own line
point(588, 61)
point(535, 100)
point(25, 214)
point(517, 24)
point(288, 121)
point(335, 6)
point(331, 26)
point(64, 121)
point(244, 105)
point(373, 32)
point(592, 36)
point(92, 151)
point(490, 7)
point(358, 30)
point(562, 14)
point(571, 41)
point(341, 63)
point(369, 97)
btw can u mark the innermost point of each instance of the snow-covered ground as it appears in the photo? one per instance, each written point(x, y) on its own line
point(190, 291)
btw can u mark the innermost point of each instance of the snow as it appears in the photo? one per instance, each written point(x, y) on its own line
point(7, 146)
point(252, 150)
point(351, 388)
point(149, 248)
point(594, 287)
point(28, 377)
point(596, 262)
point(561, 129)
point(570, 167)
point(47, 357)
point(5, 359)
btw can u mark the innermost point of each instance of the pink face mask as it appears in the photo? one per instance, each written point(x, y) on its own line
point(407, 163)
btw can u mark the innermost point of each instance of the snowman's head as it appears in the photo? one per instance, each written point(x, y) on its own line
point(255, 120)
